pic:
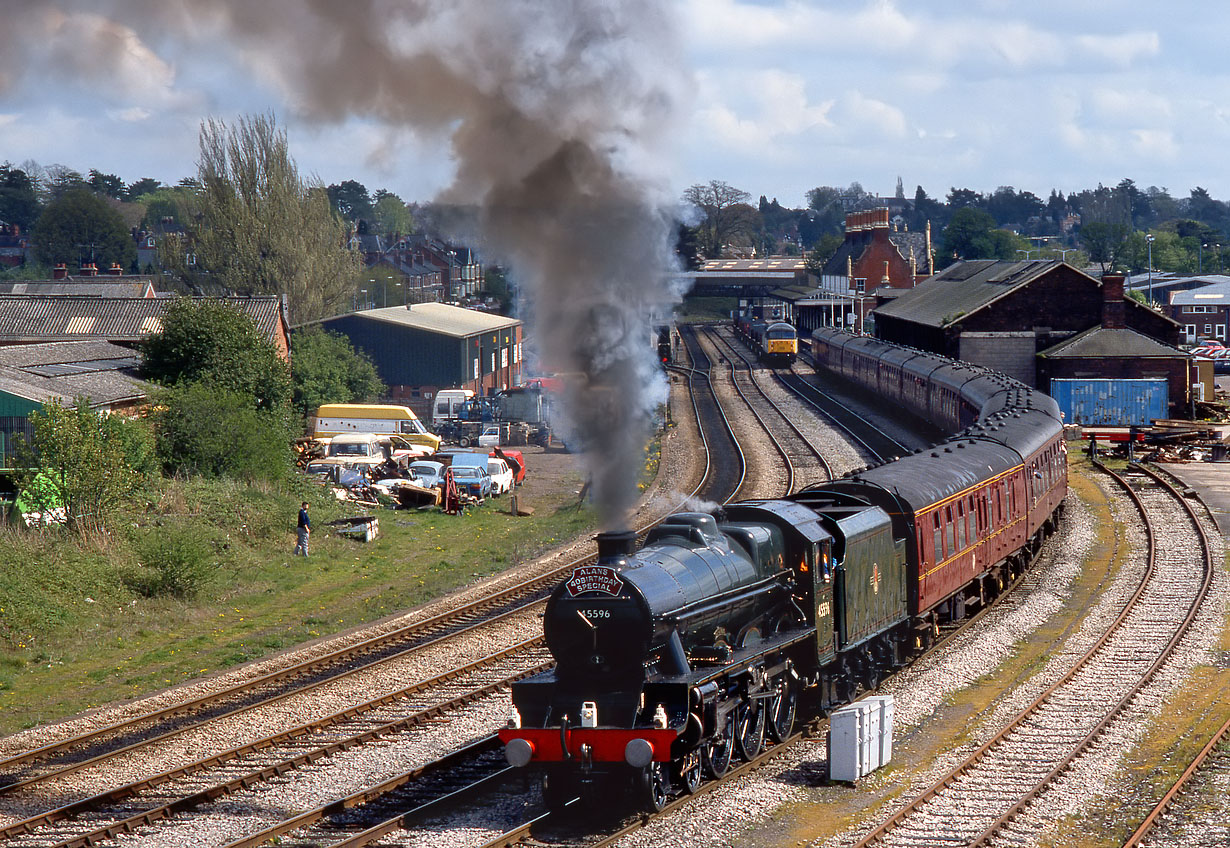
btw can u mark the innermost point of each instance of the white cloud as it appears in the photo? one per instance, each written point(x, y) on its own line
point(757, 112)
point(132, 115)
point(1123, 50)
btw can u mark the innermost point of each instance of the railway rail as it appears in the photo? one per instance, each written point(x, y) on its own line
point(801, 455)
point(24, 773)
point(722, 480)
point(879, 445)
point(981, 798)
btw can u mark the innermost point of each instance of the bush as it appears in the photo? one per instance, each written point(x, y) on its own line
point(203, 429)
point(175, 562)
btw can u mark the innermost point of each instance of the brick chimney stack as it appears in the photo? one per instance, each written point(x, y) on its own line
point(60, 271)
point(1114, 311)
point(116, 270)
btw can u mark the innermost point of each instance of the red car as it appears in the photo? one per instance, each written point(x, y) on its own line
point(515, 460)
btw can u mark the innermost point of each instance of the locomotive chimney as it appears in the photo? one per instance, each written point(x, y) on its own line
point(616, 546)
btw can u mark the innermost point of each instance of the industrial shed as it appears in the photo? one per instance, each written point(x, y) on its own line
point(1001, 313)
point(33, 375)
point(424, 347)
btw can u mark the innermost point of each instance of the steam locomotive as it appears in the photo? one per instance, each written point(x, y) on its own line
point(675, 659)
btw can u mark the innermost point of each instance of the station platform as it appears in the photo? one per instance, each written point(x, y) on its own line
point(1211, 480)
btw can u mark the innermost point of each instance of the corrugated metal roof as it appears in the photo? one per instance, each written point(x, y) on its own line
point(1211, 295)
point(1101, 342)
point(59, 317)
point(441, 318)
point(962, 288)
point(66, 370)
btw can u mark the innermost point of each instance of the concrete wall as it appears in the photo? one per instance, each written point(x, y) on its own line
point(1012, 353)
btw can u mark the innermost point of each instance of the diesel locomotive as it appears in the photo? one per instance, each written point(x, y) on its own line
point(674, 659)
point(761, 328)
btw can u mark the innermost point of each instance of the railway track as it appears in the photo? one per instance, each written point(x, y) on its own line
point(723, 479)
point(177, 792)
point(806, 461)
point(878, 445)
point(116, 747)
point(980, 800)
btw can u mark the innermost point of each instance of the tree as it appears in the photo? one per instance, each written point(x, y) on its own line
point(212, 342)
point(391, 216)
point(143, 186)
point(1103, 242)
point(822, 252)
point(350, 200)
point(81, 226)
point(967, 234)
point(725, 212)
point(257, 228)
point(167, 209)
point(106, 184)
point(87, 463)
point(61, 180)
point(327, 369)
point(203, 428)
point(959, 198)
point(18, 197)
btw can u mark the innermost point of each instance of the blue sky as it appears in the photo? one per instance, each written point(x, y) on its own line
point(782, 97)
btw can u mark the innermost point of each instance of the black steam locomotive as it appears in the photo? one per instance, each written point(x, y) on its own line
point(674, 659)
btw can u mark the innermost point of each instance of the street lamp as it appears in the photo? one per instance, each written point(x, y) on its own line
point(1149, 240)
point(1027, 252)
point(1064, 251)
point(364, 292)
point(1200, 257)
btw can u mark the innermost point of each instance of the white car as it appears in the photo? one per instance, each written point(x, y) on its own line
point(501, 476)
point(428, 472)
point(490, 437)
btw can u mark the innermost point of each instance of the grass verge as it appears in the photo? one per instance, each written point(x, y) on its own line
point(199, 577)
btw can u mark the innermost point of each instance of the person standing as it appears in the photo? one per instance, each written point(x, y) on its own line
point(305, 530)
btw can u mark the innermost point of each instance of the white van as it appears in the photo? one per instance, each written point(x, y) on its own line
point(447, 401)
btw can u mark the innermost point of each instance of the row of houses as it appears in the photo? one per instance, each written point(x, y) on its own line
point(77, 336)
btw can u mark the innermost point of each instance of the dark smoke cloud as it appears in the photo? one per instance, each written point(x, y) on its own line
point(556, 111)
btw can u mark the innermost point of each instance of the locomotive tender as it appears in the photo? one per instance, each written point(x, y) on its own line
point(673, 659)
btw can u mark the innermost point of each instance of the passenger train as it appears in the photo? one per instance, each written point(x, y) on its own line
point(677, 658)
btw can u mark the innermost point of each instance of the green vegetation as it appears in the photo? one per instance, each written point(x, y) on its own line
point(700, 309)
point(199, 577)
point(327, 369)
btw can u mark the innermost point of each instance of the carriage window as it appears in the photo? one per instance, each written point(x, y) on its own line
point(960, 527)
point(950, 531)
point(973, 529)
point(939, 539)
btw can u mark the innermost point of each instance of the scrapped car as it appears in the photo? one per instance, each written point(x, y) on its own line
point(515, 460)
point(501, 476)
point(473, 480)
point(490, 437)
point(428, 472)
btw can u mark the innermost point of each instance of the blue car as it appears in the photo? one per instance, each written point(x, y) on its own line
point(473, 479)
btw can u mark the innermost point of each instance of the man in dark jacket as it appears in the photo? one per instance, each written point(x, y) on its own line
point(305, 530)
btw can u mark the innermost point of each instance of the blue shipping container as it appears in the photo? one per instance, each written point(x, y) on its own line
point(1111, 403)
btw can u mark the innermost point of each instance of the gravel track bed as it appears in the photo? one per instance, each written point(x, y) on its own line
point(766, 475)
point(224, 735)
point(753, 810)
point(758, 385)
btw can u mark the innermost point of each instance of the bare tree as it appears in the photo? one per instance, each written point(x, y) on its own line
point(726, 212)
point(259, 228)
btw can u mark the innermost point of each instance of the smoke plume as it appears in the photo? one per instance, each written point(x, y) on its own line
point(556, 112)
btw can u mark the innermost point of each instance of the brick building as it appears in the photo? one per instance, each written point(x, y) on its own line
point(1003, 313)
point(875, 255)
point(1204, 312)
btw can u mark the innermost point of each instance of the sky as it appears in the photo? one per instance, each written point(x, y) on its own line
point(776, 97)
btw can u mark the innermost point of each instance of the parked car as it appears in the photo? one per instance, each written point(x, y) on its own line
point(490, 437)
point(472, 479)
point(515, 460)
point(501, 476)
point(429, 472)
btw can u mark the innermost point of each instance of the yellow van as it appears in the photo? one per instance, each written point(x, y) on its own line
point(333, 419)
